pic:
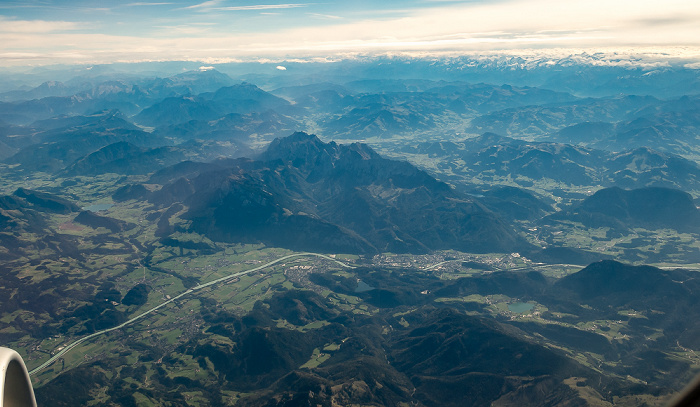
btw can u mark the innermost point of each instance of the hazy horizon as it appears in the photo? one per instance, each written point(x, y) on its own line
point(36, 33)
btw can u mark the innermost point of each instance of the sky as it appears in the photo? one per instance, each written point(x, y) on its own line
point(44, 32)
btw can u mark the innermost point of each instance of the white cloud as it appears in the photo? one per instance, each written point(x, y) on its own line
point(36, 26)
point(446, 27)
point(205, 5)
point(325, 16)
point(146, 4)
point(216, 5)
point(260, 7)
point(194, 29)
point(512, 23)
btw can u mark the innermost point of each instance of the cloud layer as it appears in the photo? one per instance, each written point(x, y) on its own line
point(227, 29)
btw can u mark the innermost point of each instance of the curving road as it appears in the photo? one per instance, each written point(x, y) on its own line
point(441, 263)
point(189, 291)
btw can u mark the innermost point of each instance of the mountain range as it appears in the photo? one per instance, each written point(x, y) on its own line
point(304, 194)
point(650, 208)
point(491, 156)
point(482, 205)
point(408, 350)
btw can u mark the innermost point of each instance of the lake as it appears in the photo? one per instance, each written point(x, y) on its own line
point(362, 287)
point(520, 307)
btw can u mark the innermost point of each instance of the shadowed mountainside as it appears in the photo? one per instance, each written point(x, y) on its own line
point(651, 208)
point(308, 195)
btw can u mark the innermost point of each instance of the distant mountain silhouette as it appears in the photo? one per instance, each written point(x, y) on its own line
point(611, 283)
point(515, 203)
point(566, 255)
point(127, 159)
point(585, 133)
point(243, 99)
point(536, 120)
point(233, 126)
point(178, 109)
point(495, 155)
point(25, 214)
point(669, 126)
point(95, 221)
point(651, 208)
point(386, 108)
point(672, 132)
point(46, 202)
point(67, 139)
point(646, 167)
point(192, 82)
point(68, 124)
point(46, 89)
point(377, 120)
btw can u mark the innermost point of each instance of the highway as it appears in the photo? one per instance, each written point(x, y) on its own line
point(187, 292)
point(534, 266)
